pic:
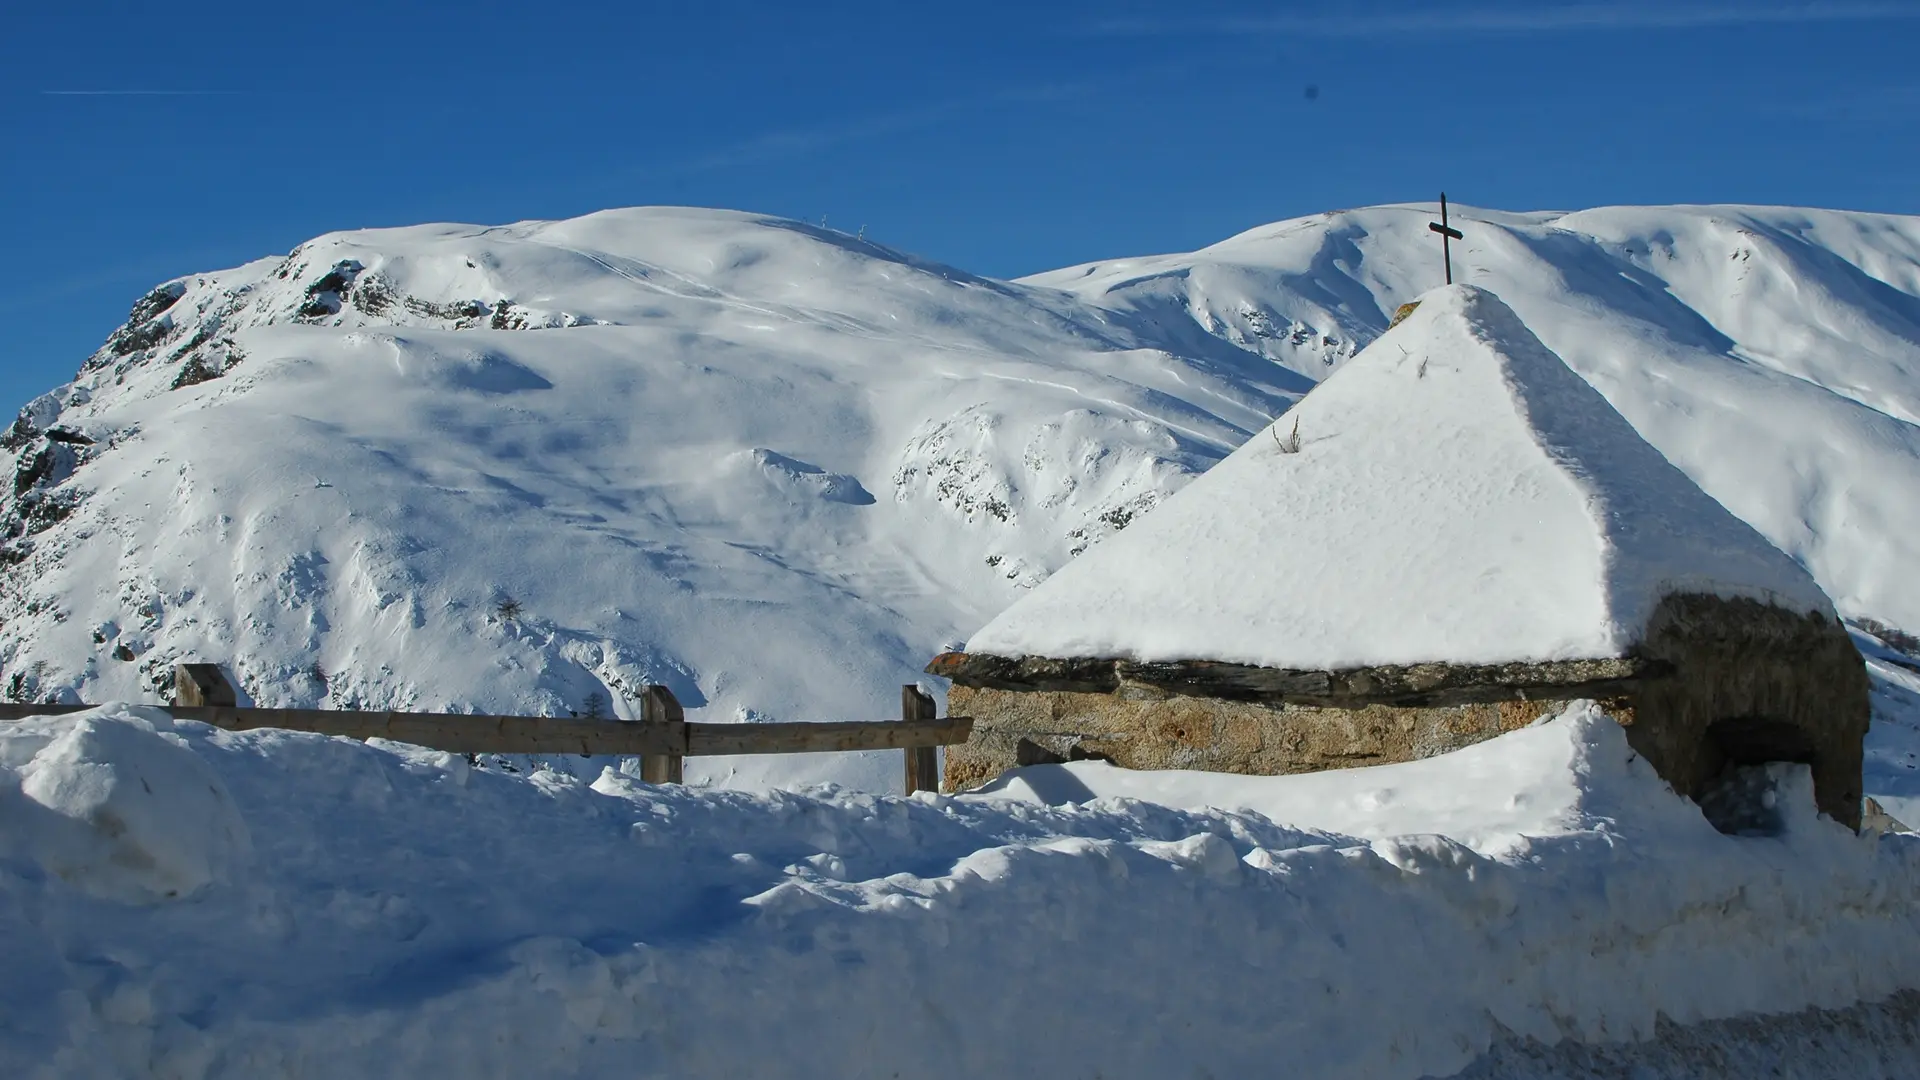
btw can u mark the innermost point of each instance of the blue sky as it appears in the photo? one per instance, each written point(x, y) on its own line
point(146, 141)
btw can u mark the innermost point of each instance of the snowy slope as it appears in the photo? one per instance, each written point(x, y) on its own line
point(1452, 493)
point(1772, 353)
point(1892, 766)
point(181, 901)
point(770, 466)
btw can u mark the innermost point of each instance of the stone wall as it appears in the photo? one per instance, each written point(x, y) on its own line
point(1755, 683)
point(1139, 730)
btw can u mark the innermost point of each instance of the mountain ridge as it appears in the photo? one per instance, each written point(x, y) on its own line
point(646, 430)
point(715, 451)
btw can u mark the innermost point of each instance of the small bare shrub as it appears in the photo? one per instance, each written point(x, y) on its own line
point(1895, 638)
point(1290, 444)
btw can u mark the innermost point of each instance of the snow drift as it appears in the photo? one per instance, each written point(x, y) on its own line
point(395, 912)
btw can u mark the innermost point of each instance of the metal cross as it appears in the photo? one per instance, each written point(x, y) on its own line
point(1448, 234)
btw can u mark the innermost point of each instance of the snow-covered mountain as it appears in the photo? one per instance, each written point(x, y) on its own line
point(532, 468)
point(1773, 354)
point(776, 467)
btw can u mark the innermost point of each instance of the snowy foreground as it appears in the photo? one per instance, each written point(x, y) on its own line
point(181, 901)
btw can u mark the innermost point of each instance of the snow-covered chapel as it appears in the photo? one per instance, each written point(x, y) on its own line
point(1451, 536)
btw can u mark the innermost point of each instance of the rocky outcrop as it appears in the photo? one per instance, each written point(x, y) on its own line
point(327, 295)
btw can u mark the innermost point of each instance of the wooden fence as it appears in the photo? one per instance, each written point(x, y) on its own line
point(662, 739)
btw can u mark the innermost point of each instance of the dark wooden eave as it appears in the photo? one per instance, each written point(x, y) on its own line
point(1408, 685)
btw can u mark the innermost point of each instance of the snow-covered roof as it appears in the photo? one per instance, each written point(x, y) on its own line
point(1457, 493)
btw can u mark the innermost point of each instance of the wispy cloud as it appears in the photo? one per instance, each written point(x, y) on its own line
point(801, 141)
point(138, 93)
point(1520, 19)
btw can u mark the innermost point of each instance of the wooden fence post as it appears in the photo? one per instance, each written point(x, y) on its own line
point(659, 706)
point(201, 685)
point(923, 762)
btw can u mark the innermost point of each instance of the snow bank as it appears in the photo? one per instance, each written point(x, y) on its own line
point(1455, 493)
point(1892, 767)
point(121, 808)
point(402, 914)
point(1871, 1041)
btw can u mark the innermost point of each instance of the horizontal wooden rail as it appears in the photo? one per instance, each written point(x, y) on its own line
point(661, 739)
point(805, 738)
point(21, 712)
point(467, 733)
